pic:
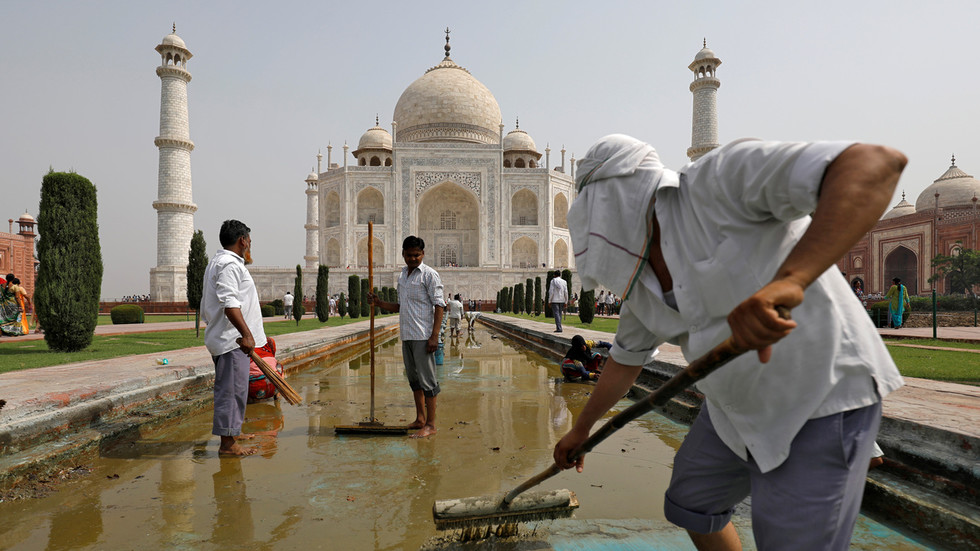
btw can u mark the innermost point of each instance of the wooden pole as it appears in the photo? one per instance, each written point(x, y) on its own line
point(371, 308)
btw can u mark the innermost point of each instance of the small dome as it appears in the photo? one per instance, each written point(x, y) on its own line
point(312, 177)
point(519, 140)
point(173, 40)
point(903, 208)
point(705, 53)
point(955, 188)
point(375, 138)
point(26, 218)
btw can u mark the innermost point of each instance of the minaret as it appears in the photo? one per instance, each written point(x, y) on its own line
point(312, 219)
point(704, 126)
point(174, 205)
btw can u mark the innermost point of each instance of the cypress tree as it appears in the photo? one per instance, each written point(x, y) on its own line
point(69, 281)
point(538, 301)
point(518, 298)
point(354, 295)
point(547, 287)
point(528, 296)
point(586, 305)
point(365, 307)
point(496, 303)
point(566, 274)
point(322, 293)
point(197, 262)
point(298, 292)
point(342, 305)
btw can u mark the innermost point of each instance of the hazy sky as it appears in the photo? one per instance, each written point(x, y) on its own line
point(274, 82)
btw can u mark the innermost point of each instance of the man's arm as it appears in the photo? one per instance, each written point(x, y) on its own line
point(615, 382)
point(856, 189)
point(433, 344)
point(376, 301)
point(246, 342)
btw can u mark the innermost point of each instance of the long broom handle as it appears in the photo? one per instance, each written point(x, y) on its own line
point(371, 290)
point(277, 381)
point(697, 370)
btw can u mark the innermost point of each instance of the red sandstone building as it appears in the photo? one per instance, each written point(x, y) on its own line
point(903, 243)
point(17, 252)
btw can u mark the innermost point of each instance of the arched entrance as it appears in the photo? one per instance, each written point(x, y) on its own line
point(449, 219)
point(902, 263)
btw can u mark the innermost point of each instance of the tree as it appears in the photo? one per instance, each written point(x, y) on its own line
point(547, 288)
point(322, 293)
point(354, 294)
point(538, 301)
point(298, 309)
point(365, 307)
point(962, 268)
point(342, 305)
point(497, 302)
point(566, 274)
point(69, 282)
point(197, 262)
point(528, 296)
point(518, 298)
point(586, 305)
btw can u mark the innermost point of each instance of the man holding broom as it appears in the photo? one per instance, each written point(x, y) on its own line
point(230, 307)
point(420, 309)
point(711, 252)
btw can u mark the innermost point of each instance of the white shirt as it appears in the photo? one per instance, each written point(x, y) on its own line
point(727, 222)
point(418, 295)
point(227, 284)
point(558, 291)
point(287, 300)
point(455, 309)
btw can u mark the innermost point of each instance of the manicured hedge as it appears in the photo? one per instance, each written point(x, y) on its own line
point(126, 313)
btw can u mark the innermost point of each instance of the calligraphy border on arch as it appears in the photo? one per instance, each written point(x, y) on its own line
point(426, 179)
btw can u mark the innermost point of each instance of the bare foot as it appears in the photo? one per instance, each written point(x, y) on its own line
point(417, 425)
point(236, 450)
point(244, 436)
point(425, 432)
point(875, 462)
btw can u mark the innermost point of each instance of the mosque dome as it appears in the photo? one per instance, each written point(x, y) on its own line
point(26, 218)
point(955, 188)
point(375, 138)
point(705, 53)
point(519, 140)
point(173, 40)
point(903, 208)
point(312, 177)
point(447, 104)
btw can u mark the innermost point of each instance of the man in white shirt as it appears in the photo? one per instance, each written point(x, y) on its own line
point(455, 307)
point(557, 297)
point(230, 307)
point(748, 227)
point(287, 304)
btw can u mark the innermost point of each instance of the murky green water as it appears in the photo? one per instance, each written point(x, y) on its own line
point(499, 414)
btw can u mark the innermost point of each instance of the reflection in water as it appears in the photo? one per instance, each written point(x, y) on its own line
point(308, 488)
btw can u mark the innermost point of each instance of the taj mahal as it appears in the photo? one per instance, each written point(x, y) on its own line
point(490, 206)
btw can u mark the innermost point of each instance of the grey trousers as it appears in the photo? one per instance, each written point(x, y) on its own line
point(230, 392)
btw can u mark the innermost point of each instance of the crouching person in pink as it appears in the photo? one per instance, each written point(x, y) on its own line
point(259, 386)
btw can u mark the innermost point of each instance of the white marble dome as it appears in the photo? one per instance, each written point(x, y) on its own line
point(374, 138)
point(447, 104)
point(955, 187)
point(903, 208)
point(312, 177)
point(705, 53)
point(173, 40)
point(519, 140)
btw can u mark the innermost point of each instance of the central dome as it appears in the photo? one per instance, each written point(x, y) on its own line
point(955, 188)
point(447, 104)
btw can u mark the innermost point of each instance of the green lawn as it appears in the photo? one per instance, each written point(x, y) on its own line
point(607, 325)
point(16, 355)
point(104, 319)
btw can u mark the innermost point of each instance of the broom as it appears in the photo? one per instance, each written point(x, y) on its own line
point(473, 513)
point(372, 425)
point(276, 379)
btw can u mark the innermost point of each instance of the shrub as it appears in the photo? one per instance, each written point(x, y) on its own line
point(547, 288)
point(538, 301)
point(365, 308)
point(69, 281)
point(879, 313)
point(322, 293)
point(126, 313)
point(342, 305)
point(518, 298)
point(354, 295)
point(586, 306)
point(279, 307)
point(268, 311)
point(529, 295)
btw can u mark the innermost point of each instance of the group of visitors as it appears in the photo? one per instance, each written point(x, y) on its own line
point(607, 304)
point(136, 298)
point(14, 307)
point(456, 312)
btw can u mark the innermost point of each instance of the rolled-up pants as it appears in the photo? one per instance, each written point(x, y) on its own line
point(230, 392)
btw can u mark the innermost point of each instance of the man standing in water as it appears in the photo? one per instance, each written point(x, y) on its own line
point(230, 307)
point(712, 252)
point(420, 309)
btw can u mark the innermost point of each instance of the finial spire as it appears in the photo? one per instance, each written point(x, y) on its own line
point(903, 195)
point(447, 41)
point(954, 159)
point(376, 120)
point(704, 42)
point(518, 123)
point(175, 27)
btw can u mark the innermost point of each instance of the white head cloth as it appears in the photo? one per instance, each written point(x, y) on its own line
point(611, 219)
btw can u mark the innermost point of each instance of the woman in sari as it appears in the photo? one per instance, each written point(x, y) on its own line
point(13, 321)
point(898, 299)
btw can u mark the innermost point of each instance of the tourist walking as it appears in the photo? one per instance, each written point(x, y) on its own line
point(420, 309)
point(287, 304)
point(230, 307)
point(796, 434)
point(455, 308)
point(557, 297)
point(898, 299)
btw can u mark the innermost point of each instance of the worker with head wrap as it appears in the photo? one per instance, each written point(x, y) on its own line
point(710, 252)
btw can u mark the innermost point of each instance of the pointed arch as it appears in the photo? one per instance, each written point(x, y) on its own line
point(333, 253)
point(331, 210)
point(370, 206)
point(561, 211)
point(903, 264)
point(561, 254)
point(362, 252)
point(524, 208)
point(449, 221)
point(524, 253)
